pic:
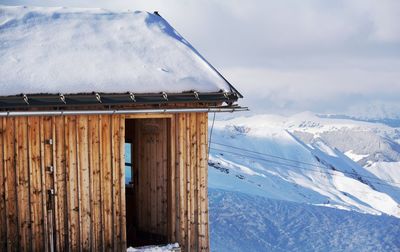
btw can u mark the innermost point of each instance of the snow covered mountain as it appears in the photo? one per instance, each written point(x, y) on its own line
point(309, 162)
point(243, 222)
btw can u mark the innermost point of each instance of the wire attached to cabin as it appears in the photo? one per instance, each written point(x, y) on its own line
point(210, 138)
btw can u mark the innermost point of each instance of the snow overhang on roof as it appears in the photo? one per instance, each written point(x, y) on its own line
point(53, 56)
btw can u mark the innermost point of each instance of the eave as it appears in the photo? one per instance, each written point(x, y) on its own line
point(26, 101)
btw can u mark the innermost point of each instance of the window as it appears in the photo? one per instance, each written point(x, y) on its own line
point(128, 164)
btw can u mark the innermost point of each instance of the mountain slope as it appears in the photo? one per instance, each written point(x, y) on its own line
point(270, 157)
point(307, 162)
point(242, 222)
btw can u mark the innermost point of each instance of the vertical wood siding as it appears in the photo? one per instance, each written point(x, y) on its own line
point(189, 213)
point(64, 154)
point(82, 159)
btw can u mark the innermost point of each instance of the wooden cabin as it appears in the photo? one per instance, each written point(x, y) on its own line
point(103, 131)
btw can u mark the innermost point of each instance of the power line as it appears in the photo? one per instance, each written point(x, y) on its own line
point(296, 161)
point(211, 131)
point(310, 169)
point(269, 155)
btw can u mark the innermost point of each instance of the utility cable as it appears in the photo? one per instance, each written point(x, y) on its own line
point(296, 161)
point(269, 155)
point(211, 131)
point(310, 169)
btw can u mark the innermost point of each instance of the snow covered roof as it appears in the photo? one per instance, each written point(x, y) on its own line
point(71, 51)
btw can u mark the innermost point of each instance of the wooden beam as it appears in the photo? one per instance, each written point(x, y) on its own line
point(23, 183)
point(3, 209)
point(10, 185)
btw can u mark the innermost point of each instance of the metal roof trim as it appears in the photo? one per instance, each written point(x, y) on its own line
point(65, 100)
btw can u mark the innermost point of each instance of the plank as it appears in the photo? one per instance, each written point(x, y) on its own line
point(201, 152)
point(72, 183)
point(140, 185)
point(188, 181)
point(193, 181)
point(101, 176)
point(23, 183)
point(36, 186)
point(146, 179)
point(107, 182)
point(156, 178)
point(149, 116)
point(116, 175)
point(177, 156)
point(193, 178)
point(151, 157)
point(78, 183)
point(204, 231)
point(52, 153)
point(3, 219)
point(182, 181)
point(96, 201)
point(47, 134)
point(60, 171)
point(200, 161)
point(122, 182)
point(164, 178)
point(84, 182)
point(10, 182)
point(171, 181)
point(46, 178)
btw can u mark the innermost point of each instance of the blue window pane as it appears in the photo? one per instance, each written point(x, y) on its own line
point(128, 152)
point(128, 174)
point(128, 163)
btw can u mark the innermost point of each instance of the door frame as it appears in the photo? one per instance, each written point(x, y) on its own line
point(171, 204)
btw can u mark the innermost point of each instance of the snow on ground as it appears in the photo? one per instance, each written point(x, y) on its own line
point(353, 156)
point(386, 170)
point(66, 50)
point(166, 248)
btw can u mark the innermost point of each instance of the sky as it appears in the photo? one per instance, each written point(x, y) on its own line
point(289, 56)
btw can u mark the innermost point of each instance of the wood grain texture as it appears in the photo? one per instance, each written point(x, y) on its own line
point(121, 183)
point(72, 183)
point(96, 186)
point(106, 164)
point(37, 202)
point(60, 171)
point(3, 213)
point(191, 181)
point(23, 183)
point(10, 185)
point(84, 171)
point(87, 154)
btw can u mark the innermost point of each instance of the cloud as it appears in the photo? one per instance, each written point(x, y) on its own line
point(315, 89)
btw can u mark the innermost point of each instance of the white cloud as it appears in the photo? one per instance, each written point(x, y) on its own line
point(320, 90)
point(384, 16)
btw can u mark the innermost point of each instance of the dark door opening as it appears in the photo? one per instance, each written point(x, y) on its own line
point(146, 181)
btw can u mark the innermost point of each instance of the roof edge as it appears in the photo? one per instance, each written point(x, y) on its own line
point(107, 99)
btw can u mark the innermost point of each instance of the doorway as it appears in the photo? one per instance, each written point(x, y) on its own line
point(146, 180)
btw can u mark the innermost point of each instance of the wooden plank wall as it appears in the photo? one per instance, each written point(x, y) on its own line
point(189, 204)
point(87, 159)
point(82, 163)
